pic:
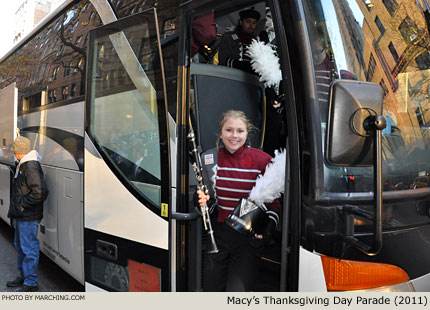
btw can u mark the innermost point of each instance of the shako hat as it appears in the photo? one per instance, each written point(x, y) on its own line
point(249, 13)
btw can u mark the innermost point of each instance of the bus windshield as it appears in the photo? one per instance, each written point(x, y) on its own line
point(385, 42)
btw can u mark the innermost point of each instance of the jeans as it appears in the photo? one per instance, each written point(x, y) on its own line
point(27, 245)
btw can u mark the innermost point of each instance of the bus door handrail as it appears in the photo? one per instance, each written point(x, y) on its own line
point(185, 216)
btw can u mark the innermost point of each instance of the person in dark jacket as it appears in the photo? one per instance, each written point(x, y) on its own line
point(29, 191)
point(233, 45)
point(233, 53)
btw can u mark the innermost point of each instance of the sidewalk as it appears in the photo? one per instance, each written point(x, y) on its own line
point(52, 278)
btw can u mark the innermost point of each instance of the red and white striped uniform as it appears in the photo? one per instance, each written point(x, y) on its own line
point(235, 177)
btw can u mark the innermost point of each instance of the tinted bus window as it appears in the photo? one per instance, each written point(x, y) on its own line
point(386, 43)
point(50, 67)
point(168, 20)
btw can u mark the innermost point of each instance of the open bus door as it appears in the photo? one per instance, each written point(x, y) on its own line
point(206, 89)
point(8, 126)
point(127, 159)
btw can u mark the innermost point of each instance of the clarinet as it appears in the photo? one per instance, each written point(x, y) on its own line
point(197, 168)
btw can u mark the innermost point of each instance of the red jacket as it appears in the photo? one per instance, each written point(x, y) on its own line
point(203, 31)
point(235, 177)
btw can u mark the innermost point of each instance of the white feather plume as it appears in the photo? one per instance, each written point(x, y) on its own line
point(265, 62)
point(270, 186)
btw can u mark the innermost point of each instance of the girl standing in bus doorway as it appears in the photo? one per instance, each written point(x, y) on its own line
point(232, 170)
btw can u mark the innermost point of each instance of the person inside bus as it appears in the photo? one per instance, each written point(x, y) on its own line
point(203, 37)
point(232, 48)
point(275, 131)
point(232, 53)
point(29, 191)
point(232, 170)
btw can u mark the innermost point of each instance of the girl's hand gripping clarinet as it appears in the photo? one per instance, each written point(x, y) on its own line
point(203, 193)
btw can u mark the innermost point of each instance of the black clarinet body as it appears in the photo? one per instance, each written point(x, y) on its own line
point(197, 169)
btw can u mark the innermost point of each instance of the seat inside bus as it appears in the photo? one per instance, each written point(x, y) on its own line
point(218, 89)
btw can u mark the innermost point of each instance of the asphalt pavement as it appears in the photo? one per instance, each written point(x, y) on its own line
point(52, 277)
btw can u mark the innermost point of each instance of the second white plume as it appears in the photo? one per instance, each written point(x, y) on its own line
point(271, 185)
point(265, 62)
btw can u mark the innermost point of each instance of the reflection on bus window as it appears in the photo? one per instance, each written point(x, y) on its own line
point(168, 20)
point(53, 60)
point(124, 118)
point(385, 43)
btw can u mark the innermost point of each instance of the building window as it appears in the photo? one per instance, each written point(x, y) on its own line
point(80, 63)
point(55, 73)
point(52, 95)
point(423, 61)
point(391, 6)
point(43, 72)
point(101, 51)
point(60, 50)
point(417, 2)
point(75, 25)
point(393, 52)
point(85, 40)
point(134, 9)
point(84, 7)
point(32, 101)
point(408, 29)
point(411, 89)
point(69, 16)
point(420, 118)
point(379, 25)
point(73, 90)
point(384, 88)
point(67, 70)
point(78, 40)
point(368, 4)
point(371, 67)
point(65, 92)
point(117, 3)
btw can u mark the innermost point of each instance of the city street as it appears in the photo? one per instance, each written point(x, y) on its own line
point(52, 278)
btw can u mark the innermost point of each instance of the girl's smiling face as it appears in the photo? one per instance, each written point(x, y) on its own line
point(233, 134)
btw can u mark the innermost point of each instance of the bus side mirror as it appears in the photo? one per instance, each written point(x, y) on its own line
point(354, 135)
point(348, 142)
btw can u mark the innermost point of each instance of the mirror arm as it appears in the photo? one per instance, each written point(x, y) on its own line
point(375, 124)
point(379, 124)
point(347, 216)
point(357, 211)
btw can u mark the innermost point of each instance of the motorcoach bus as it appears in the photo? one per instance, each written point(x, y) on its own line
point(107, 90)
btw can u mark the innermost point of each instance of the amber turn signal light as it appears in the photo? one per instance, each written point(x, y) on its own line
point(345, 275)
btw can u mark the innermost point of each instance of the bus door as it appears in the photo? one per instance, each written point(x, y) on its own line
point(127, 166)
point(211, 87)
point(8, 126)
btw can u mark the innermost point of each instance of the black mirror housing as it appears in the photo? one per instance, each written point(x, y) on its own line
point(349, 143)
